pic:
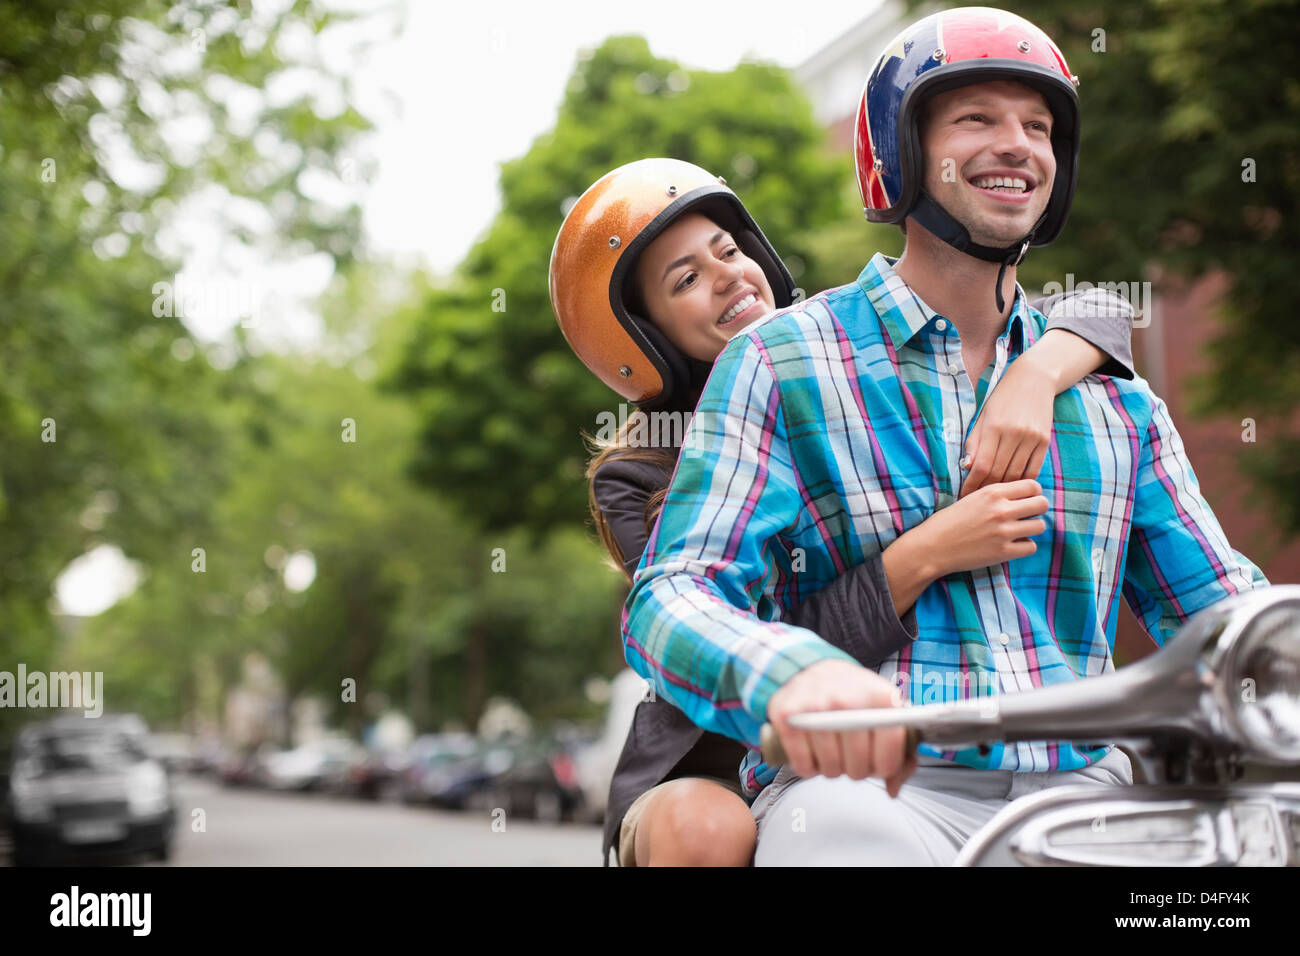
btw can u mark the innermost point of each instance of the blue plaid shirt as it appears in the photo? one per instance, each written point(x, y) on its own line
point(820, 438)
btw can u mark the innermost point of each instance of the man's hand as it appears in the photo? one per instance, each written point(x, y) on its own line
point(840, 685)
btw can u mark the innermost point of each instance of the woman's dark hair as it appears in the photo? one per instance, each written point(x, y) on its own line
point(619, 447)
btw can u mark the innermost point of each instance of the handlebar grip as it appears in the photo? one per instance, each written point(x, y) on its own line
point(774, 754)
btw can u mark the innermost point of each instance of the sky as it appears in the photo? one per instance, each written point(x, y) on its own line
point(454, 92)
point(477, 82)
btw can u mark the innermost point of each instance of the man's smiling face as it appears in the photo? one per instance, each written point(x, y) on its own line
point(988, 158)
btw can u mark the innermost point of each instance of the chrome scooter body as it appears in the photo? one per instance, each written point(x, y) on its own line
point(1211, 722)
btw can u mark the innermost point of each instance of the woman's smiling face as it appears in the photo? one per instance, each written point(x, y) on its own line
point(699, 288)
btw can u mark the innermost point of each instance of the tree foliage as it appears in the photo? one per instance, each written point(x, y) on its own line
point(502, 397)
point(114, 423)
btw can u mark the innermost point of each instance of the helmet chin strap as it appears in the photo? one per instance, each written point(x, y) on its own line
point(937, 221)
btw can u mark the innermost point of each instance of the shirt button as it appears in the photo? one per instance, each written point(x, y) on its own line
point(953, 369)
point(1004, 639)
point(941, 324)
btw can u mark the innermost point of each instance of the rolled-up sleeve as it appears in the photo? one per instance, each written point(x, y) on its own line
point(689, 624)
point(855, 612)
point(1099, 316)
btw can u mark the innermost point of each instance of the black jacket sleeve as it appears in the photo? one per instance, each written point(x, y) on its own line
point(855, 612)
point(622, 487)
point(1099, 316)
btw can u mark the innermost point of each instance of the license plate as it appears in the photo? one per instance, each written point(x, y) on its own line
point(93, 831)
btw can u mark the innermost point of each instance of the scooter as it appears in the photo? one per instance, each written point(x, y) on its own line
point(1211, 722)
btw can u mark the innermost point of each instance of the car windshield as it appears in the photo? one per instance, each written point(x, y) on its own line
point(87, 751)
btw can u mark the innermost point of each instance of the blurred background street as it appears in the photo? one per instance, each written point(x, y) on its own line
point(253, 828)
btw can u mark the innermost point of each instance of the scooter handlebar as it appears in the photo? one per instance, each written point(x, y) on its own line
point(774, 754)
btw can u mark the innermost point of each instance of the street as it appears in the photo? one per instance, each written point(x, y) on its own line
point(262, 828)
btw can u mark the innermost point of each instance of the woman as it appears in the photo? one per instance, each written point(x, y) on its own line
point(655, 268)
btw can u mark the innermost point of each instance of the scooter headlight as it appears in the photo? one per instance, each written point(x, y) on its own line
point(1262, 682)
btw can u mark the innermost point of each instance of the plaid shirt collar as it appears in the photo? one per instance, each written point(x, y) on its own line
point(903, 314)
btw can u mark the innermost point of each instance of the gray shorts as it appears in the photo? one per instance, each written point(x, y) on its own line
point(842, 822)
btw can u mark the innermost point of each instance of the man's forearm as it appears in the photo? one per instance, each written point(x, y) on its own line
point(716, 662)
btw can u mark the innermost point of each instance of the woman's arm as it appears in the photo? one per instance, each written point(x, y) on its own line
point(855, 612)
point(1087, 332)
point(867, 611)
point(1099, 317)
point(860, 613)
point(988, 527)
point(621, 488)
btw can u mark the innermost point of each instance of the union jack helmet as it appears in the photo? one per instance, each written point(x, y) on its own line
point(941, 52)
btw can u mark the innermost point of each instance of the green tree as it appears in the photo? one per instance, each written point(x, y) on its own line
point(501, 396)
point(112, 420)
point(405, 600)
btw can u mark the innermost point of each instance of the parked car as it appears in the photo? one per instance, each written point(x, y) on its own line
point(80, 786)
point(243, 768)
point(455, 769)
point(426, 752)
point(209, 756)
point(176, 751)
point(370, 775)
point(541, 782)
point(312, 766)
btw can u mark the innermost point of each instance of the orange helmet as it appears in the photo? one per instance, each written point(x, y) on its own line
point(596, 251)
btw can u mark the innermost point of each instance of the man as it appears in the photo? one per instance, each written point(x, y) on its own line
point(826, 432)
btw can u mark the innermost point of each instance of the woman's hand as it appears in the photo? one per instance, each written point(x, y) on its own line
point(1013, 430)
point(989, 526)
point(986, 527)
